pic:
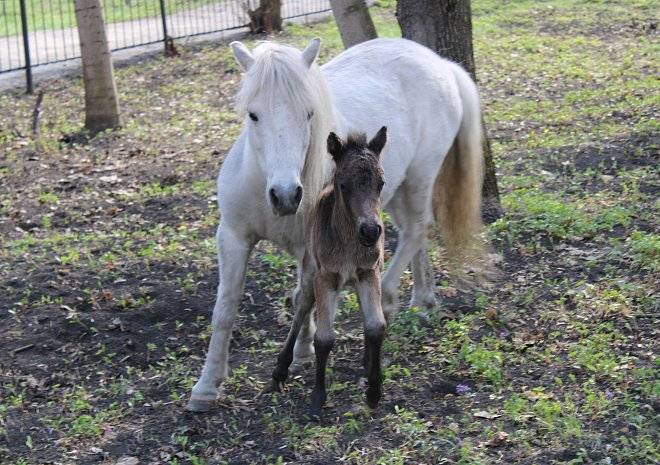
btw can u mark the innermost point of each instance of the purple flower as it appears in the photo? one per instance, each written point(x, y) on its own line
point(504, 334)
point(462, 389)
point(609, 394)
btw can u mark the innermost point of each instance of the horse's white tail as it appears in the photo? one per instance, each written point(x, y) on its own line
point(457, 189)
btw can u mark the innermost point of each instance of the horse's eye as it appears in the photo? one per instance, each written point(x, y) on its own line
point(253, 117)
point(310, 114)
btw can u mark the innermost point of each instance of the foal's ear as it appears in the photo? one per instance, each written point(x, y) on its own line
point(335, 146)
point(242, 54)
point(311, 51)
point(378, 142)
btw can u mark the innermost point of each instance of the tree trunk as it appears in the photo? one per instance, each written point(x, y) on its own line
point(445, 26)
point(267, 18)
point(101, 103)
point(353, 20)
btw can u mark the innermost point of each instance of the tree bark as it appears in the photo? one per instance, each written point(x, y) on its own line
point(267, 17)
point(445, 26)
point(353, 20)
point(101, 102)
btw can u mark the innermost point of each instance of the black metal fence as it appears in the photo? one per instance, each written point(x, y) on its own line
point(40, 32)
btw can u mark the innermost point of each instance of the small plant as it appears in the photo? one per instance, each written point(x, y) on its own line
point(48, 198)
point(645, 249)
point(484, 362)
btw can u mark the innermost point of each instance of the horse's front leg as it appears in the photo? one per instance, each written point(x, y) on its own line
point(303, 350)
point(368, 290)
point(303, 302)
point(233, 253)
point(326, 287)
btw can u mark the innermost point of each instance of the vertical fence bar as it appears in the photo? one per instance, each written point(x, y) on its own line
point(26, 47)
point(163, 16)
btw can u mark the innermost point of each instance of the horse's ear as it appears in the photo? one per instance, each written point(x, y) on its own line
point(335, 146)
point(311, 52)
point(378, 142)
point(242, 54)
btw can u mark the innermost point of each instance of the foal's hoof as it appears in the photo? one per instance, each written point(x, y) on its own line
point(200, 405)
point(373, 397)
point(315, 413)
point(273, 386)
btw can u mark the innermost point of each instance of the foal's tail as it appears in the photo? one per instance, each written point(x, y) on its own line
point(457, 188)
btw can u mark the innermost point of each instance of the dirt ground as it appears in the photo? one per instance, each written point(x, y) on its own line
point(108, 272)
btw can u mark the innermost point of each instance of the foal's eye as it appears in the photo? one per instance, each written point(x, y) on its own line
point(343, 187)
point(253, 117)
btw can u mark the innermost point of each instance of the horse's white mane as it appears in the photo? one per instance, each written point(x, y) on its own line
point(279, 72)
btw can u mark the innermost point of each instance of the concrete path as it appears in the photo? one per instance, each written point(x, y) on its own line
point(62, 44)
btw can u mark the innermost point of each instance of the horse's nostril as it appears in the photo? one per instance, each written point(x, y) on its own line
point(273, 197)
point(299, 192)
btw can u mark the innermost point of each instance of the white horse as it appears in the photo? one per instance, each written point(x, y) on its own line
point(279, 164)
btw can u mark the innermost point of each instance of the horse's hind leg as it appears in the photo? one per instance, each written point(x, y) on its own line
point(303, 302)
point(423, 294)
point(410, 207)
point(368, 289)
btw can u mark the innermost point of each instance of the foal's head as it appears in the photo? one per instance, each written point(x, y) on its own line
point(358, 181)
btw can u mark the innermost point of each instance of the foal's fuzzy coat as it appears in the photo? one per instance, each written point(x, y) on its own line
point(345, 244)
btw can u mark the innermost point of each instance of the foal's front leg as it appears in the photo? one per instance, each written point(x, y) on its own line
point(368, 290)
point(326, 287)
point(233, 253)
point(303, 303)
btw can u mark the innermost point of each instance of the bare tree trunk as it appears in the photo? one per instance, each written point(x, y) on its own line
point(101, 103)
point(445, 26)
point(267, 17)
point(353, 20)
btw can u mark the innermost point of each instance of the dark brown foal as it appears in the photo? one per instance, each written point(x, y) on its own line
point(344, 244)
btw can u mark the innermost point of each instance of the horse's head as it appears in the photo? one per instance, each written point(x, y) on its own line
point(279, 97)
point(358, 181)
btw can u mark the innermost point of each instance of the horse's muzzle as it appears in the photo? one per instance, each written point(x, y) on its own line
point(285, 199)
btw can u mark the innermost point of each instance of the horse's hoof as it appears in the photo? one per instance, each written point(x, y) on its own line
point(300, 364)
point(200, 405)
point(423, 300)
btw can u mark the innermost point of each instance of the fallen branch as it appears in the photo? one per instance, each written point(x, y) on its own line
point(36, 114)
point(22, 349)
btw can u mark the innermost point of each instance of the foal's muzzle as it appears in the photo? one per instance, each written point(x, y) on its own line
point(285, 199)
point(369, 233)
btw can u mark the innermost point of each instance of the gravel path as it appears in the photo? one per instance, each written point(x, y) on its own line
point(54, 45)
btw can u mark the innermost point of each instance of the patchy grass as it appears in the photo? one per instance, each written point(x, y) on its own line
point(108, 274)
